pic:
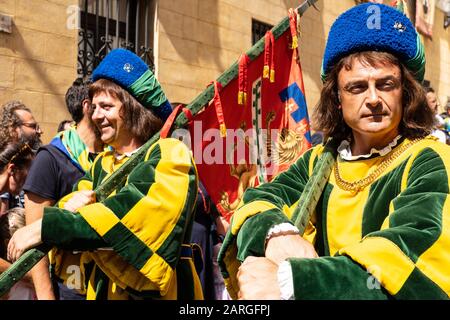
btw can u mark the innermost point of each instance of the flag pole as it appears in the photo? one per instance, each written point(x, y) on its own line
point(24, 264)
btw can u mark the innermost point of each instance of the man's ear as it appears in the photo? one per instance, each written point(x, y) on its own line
point(86, 104)
point(11, 168)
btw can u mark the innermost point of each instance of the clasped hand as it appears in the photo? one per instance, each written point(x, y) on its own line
point(258, 277)
point(30, 235)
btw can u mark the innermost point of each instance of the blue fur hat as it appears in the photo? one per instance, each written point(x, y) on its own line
point(374, 27)
point(130, 72)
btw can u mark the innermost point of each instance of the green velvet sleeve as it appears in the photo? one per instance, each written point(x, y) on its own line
point(67, 230)
point(334, 278)
point(251, 239)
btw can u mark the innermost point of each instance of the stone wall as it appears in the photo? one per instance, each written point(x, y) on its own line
point(38, 59)
point(199, 39)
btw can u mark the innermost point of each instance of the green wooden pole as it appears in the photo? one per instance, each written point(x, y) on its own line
point(24, 264)
point(314, 187)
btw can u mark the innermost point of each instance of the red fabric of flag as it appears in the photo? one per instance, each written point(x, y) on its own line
point(264, 136)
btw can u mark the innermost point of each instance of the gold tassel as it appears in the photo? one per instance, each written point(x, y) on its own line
point(294, 42)
point(272, 75)
point(266, 72)
point(223, 130)
point(241, 97)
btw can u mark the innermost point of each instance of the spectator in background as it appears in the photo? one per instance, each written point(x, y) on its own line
point(446, 117)
point(57, 167)
point(9, 224)
point(64, 125)
point(17, 124)
point(15, 159)
point(433, 103)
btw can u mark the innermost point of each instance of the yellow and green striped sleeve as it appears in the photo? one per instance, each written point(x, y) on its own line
point(147, 220)
point(407, 258)
point(262, 208)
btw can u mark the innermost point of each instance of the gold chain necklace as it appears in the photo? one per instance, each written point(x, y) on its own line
point(359, 185)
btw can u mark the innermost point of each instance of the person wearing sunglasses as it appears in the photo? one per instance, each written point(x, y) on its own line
point(17, 123)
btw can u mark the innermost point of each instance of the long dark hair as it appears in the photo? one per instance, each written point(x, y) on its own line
point(18, 153)
point(141, 122)
point(417, 120)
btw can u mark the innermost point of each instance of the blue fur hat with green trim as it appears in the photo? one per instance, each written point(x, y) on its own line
point(127, 70)
point(374, 27)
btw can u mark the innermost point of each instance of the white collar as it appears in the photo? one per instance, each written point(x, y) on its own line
point(120, 156)
point(345, 152)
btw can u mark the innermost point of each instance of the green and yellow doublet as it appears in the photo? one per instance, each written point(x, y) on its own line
point(395, 229)
point(143, 227)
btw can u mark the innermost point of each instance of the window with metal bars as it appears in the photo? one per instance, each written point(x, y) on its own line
point(110, 24)
point(259, 30)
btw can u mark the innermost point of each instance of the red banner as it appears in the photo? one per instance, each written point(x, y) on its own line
point(266, 120)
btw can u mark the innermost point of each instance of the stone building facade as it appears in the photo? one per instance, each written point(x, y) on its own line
point(193, 42)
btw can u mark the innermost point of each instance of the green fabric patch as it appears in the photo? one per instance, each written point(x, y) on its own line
point(98, 173)
point(148, 91)
point(251, 238)
point(140, 181)
point(68, 230)
point(170, 249)
point(128, 246)
point(417, 221)
point(381, 193)
point(418, 286)
point(333, 278)
point(321, 245)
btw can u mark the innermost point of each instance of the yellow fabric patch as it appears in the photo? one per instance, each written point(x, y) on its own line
point(343, 223)
point(232, 264)
point(153, 218)
point(159, 272)
point(383, 259)
point(84, 185)
point(247, 211)
point(99, 217)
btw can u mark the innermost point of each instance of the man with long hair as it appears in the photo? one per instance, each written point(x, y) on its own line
point(142, 230)
point(379, 228)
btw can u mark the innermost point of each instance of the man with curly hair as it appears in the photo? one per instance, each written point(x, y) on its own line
point(17, 122)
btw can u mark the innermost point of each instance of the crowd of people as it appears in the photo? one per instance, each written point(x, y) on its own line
point(381, 215)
